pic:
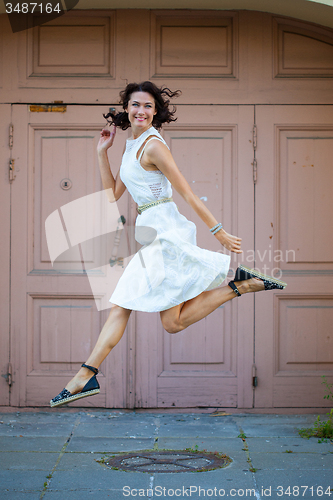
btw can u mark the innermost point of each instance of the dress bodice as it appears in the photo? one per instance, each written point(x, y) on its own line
point(144, 186)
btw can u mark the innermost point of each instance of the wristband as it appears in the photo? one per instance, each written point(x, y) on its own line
point(216, 228)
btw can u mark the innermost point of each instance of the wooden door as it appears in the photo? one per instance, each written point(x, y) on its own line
point(210, 363)
point(55, 316)
point(294, 209)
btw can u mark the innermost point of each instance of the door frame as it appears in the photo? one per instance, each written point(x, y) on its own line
point(5, 261)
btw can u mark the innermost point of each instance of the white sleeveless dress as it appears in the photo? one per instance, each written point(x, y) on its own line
point(171, 269)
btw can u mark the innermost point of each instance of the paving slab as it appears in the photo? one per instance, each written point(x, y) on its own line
point(105, 416)
point(28, 460)
point(268, 430)
point(280, 485)
point(92, 494)
point(81, 461)
point(297, 461)
point(276, 419)
point(293, 443)
point(38, 444)
point(38, 417)
point(198, 429)
point(100, 478)
point(112, 429)
point(35, 429)
point(211, 482)
point(109, 444)
point(22, 480)
point(20, 495)
point(222, 445)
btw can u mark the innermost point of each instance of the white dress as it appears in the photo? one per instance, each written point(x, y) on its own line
point(170, 269)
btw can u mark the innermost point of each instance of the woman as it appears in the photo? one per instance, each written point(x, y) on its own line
point(171, 275)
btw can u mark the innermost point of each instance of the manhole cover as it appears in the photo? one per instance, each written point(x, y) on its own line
point(168, 461)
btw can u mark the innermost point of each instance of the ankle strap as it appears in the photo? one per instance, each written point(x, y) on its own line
point(91, 368)
point(234, 287)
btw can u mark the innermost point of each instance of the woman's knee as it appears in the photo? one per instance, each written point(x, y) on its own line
point(171, 325)
point(118, 312)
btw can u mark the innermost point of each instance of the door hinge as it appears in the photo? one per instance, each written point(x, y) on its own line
point(11, 170)
point(255, 169)
point(8, 376)
point(254, 137)
point(254, 376)
point(11, 135)
point(254, 142)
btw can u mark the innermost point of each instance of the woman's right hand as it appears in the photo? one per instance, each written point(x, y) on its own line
point(106, 139)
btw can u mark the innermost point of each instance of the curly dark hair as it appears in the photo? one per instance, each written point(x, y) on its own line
point(161, 97)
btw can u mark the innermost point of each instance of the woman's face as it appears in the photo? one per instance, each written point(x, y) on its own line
point(141, 110)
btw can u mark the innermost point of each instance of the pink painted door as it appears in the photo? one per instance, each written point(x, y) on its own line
point(294, 209)
point(55, 316)
point(209, 363)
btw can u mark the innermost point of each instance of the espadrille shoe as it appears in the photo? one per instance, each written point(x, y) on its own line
point(244, 273)
point(91, 388)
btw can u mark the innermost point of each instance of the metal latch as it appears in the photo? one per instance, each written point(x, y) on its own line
point(11, 170)
point(254, 137)
point(254, 376)
point(115, 260)
point(8, 375)
point(255, 171)
point(11, 136)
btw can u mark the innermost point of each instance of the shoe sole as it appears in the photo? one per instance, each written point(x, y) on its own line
point(256, 274)
point(74, 397)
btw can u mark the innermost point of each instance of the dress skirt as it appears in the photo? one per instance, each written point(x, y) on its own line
point(170, 268)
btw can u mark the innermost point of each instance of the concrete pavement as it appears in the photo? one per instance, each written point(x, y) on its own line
point(59, 454)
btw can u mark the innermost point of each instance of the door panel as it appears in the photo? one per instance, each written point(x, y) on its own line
point(56, 316)
point(294, 344)
point(209, 363)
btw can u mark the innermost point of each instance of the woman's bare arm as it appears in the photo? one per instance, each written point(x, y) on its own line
point(158, 155)
point(114, 186)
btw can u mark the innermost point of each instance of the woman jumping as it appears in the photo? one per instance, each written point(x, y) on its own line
point(182, 279)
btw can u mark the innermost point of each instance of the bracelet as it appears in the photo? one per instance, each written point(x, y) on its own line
point(216, 228)
point(212, 228)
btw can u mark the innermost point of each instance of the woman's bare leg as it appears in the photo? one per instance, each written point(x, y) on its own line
point(110, 335)
point(180, 317)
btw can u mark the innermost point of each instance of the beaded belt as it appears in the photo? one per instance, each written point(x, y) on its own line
point(143, 207)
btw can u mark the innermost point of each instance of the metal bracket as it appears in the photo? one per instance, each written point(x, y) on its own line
point(254, 376)
point(255, 171)
point(254, 137)
point(11, 170)
point(9, 376)
point(11, 136)
point(115, 260)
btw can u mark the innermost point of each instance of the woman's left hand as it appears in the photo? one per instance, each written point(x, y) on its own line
point(230, 242)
